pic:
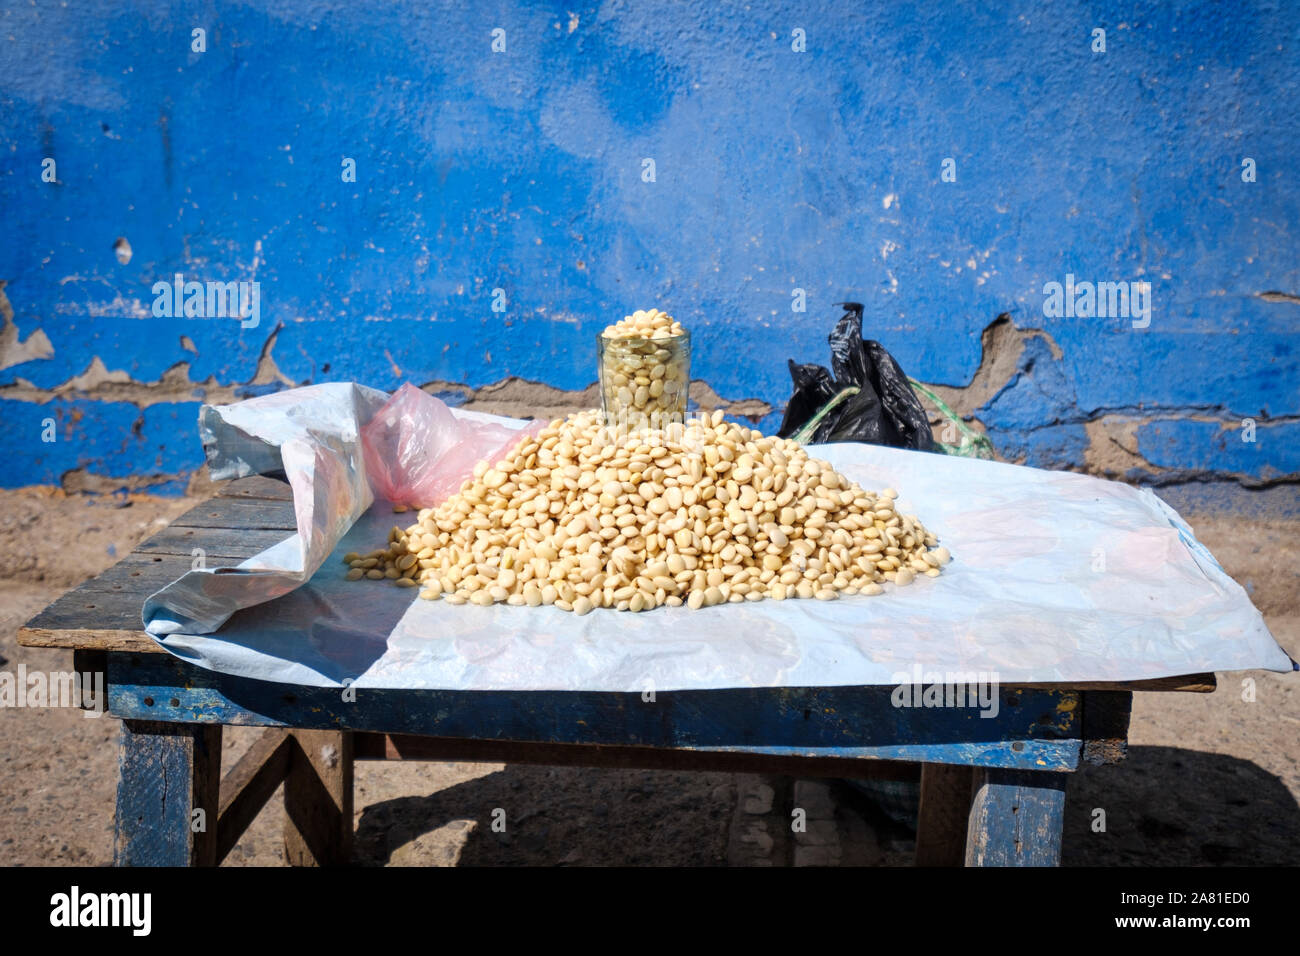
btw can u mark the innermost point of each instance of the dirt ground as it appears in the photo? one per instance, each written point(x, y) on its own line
point(1211, 779)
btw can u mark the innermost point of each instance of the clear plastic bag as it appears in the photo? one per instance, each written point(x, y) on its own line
point(418, 452)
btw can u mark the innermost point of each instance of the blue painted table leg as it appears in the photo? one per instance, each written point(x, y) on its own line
point(169, 776)
point(1015, 818)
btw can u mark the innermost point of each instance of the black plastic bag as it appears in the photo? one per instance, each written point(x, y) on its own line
point(872, 399)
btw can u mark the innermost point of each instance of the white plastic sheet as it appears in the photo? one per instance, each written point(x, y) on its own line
point(1056, 577)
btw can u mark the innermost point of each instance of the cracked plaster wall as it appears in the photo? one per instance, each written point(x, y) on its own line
point(774, 171)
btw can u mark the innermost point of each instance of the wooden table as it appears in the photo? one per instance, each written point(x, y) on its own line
point(992, 789)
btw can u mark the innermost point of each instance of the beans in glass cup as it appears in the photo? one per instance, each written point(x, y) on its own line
point(644, 364)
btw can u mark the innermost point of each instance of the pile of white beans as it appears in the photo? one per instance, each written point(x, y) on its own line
point(584, 516)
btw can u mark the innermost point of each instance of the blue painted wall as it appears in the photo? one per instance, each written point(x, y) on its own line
point(775, 170)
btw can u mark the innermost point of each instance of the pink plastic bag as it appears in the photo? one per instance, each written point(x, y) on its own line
point(418, 453)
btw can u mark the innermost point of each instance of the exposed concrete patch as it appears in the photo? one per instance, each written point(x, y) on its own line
point(267, 371)
point(80, 481)
point(1279, 297)
point(1113, 447)
point(1113, 452)
point(1110, 447)
point(14, 351)
point(1001, 345)
point(95, 376)
point(512, 396)
point(706, 398)
point(519, 398)
point(100, 383)
point(1107, 438)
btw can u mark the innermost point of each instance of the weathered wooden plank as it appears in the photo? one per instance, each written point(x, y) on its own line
point(257, 486)
point(250, 515)
point(1183, 683)
point(139, 575)
point(249, 784)
point(240, 513)
point(1105, 725)
point(104, 612)
point(375, 746)
point(1015, 818)
point(42, 632)
point(318, 799)
point(136, 642)
point(119, 630)
point(220, 546)
point(109, 602)
point(1032, 729)
point(86, 610)
point(944, 815)
point(167, 794)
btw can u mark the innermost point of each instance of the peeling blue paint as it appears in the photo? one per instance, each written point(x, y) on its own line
point(775, 170)
point(39, 443)
point(1040, 393)
point(1043, 447)
point(1209, 446)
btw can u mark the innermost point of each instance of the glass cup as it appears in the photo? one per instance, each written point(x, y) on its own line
point(643, 381)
